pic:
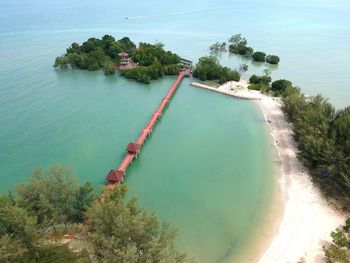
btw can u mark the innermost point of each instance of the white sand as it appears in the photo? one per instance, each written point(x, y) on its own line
point(308, 219)
point(234, 89)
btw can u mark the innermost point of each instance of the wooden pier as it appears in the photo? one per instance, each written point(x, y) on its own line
point(133, 149)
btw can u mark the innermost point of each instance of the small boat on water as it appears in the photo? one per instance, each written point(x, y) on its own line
point(126, 17)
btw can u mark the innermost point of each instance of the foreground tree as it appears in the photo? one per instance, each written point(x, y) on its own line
point(10, 249)
point(121, 232)
point(55, 197)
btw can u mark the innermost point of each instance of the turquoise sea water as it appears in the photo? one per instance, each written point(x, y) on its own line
point(209, 166)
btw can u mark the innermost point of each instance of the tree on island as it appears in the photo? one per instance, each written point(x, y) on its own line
point(218, 47)
point(259, 56)
point(208, 68)
point(239, 45)
point(95, 54)
point(272, 59)
point(243, 67)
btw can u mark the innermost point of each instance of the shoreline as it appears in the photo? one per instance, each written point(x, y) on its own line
point(301, 219)
point(308, 219)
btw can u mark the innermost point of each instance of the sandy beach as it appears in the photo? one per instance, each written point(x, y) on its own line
point(307, 219)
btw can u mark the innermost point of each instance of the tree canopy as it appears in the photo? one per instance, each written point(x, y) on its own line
point(322, 134)
point(259, 56)
point(238, 45)
point(208, 68)
point(122, 232)
point(261, 83)
point(272, 59)
point(52, 204)
point(94, 54)
point(48, 200)
point(218, 46)
point(338, 250)
point(280, 86)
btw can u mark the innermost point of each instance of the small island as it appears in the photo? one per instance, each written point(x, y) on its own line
point(239, 45)
point(143, 63)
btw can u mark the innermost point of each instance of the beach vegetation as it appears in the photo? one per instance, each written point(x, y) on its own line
point(280, 86)
point(52, 207)
point(259, 56)
point(322, 134)
point(338, 250)
point(272, 59)
point(208, 68)
point(261, 83)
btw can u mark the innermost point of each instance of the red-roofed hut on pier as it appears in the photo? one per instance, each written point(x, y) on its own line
point(115, 177)
point(133, 148)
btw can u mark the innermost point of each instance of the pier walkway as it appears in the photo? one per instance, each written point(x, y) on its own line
point(133, 149)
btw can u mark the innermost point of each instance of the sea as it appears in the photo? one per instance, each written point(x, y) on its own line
point(210, 166)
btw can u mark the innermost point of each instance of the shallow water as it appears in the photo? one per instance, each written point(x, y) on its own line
point(209, 166)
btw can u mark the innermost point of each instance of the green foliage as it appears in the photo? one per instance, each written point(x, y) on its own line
point(280, 86)
point(347, 226)
point(148, 54)
point(54, 196)
point(127, 45)
point(208, 68)
point(259, 56)
point(339, 250)
point(336, 254)
point(171, 69)
point(95, 54)
point(218, 47)
point(108, 68)
point(61, 62)
point(272, 59)
point(255, 79)
point(239, 46)
point(243, 67)
point(121, 232)
point(339, 238)
point(322, 135)
point(18, 224)
point(55, 254)
point(146, 74)
point(11, 250)
point(261, 83)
